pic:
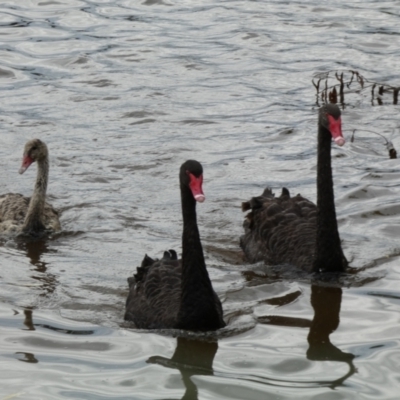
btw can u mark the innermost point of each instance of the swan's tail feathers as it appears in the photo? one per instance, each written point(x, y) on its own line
point(268, 193)
point(170, 255)
point(246, 206)
point(257, 202)
point(285, 193)
point(131, 281)
point(253, 204)
point(142, 270)
point(174, 255)
point(147, 261)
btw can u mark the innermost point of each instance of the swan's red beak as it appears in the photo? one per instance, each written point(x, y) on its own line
point(26, 162)
point(335, 127)
point(195, 185)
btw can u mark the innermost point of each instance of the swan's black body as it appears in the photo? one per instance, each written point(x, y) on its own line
point(172, 293)
point(293, 230)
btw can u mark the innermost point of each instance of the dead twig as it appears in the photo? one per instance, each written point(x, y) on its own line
point(389, 145)
point(348, 79)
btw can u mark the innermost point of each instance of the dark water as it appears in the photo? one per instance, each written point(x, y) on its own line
point(123, 92)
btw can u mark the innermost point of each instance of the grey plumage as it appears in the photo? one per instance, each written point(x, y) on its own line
point(30, 215)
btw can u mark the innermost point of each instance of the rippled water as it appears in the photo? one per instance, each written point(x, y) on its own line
point(123, 93)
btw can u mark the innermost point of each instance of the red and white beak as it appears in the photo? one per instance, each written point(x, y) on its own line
point(195, 185)
point(335, 127)
point(26, 162)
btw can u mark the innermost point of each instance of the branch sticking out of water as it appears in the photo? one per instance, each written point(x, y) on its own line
point(389, 145)
point(353, 81)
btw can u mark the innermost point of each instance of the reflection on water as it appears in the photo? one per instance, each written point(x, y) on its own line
point(326, 303)
point(194, 357)
point(123, 94)
point(35, 249)
point(28, 322)
point(26, 357)
point(191, 357)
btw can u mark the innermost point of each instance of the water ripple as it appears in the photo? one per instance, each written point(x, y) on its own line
point(123, 92)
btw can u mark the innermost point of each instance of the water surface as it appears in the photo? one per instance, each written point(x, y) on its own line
point(123, 92)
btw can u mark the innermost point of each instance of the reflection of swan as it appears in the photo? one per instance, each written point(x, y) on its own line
point(32, 216)
point(292, 230)
point(172, 293)
point(34, 249)
point(191, 357)
point(326, 302)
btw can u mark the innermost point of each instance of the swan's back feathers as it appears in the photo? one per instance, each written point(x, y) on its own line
point(13, 209)
point(155, 293)
point(155, 282)
point(280, 230)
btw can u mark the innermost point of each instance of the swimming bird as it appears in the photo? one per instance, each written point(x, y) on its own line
point(293, 230)
point(172, 293)
point(32, 216)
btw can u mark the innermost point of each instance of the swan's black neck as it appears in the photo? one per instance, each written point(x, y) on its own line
point(329, 255)
point(197, 309)
point(34, 217)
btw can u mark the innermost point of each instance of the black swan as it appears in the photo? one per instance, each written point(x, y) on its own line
point(32, 216)
point(172, 293)
point(293, 230)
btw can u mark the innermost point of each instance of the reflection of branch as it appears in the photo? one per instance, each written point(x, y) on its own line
point(26, 357)
point(28, 322)
point(329, 93)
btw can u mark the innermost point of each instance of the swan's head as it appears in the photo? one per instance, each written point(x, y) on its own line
point(191, 175)
point(329, 118)
point(34, 150)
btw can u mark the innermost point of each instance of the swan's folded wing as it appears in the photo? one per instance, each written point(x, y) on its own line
point(280, 230)
point(154, 298)
point(51, 218)
point(13, 208)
